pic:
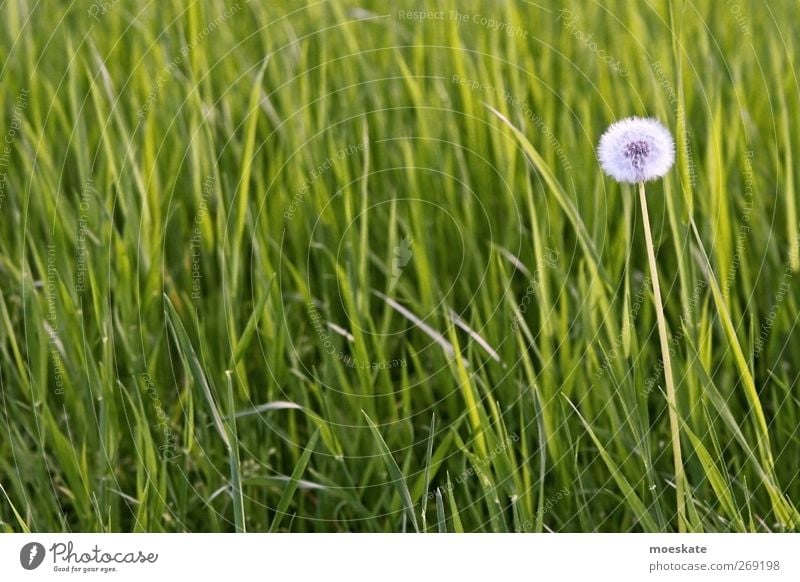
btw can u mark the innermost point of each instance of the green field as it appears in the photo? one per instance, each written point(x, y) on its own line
point(344, 265)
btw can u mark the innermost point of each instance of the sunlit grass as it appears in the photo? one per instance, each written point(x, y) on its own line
point(310, 267)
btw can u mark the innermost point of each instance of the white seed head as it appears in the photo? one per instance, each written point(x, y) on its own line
point(636, 149)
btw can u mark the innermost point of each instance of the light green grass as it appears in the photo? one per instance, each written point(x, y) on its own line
point(176, 271)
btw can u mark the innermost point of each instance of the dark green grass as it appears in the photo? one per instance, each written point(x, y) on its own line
point(324, 267)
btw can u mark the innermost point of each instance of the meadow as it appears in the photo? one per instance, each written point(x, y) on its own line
point(353, 266)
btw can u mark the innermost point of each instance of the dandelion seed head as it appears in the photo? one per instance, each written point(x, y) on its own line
point(636, 149)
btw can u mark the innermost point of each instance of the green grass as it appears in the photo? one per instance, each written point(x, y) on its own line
point(295, 267)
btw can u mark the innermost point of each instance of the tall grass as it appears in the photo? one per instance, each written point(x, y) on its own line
point(252, 250)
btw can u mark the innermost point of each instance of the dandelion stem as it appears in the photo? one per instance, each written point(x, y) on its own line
point(664, 340)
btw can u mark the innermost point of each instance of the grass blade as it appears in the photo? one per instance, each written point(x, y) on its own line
point(398, 480)
point(294, 480)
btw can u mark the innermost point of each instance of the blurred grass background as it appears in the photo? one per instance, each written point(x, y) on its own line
point(278, 266)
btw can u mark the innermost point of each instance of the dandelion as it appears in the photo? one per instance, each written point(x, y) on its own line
point(634, 151)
